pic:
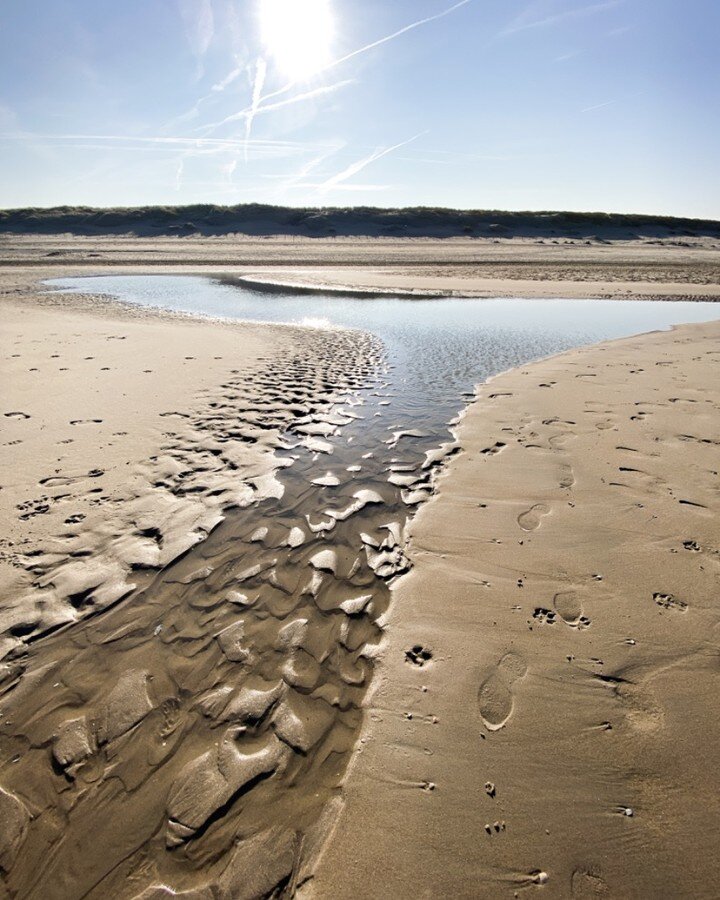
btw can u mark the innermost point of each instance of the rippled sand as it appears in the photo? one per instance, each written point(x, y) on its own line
point(190, 690)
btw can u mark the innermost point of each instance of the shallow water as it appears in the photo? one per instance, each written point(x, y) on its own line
point(309, 613)
point(439, 348)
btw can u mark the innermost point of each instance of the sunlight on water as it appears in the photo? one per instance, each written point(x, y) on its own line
point(440, 348)
point(313, 322)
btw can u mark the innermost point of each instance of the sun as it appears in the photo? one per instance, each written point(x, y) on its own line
point(298, 35)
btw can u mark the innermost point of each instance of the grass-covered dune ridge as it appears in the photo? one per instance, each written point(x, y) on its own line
point(259, 219)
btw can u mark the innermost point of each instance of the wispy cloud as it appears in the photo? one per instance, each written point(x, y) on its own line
point(570, 55)
point(349, 188)
point(199, 22)
point(299, 179)
point(538, 15)
point(266, 107)
point(377, 43)
point(623, 29)
point(598, 106)
point(260, 73)
point(588, 109)
point(280, 104)
point(179, 173)
point(213, 95)
point(165, 144)
point(359, 165)
point(225, 82)
point(228, 169)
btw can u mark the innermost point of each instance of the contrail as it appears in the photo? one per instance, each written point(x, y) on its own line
point(163, 142)
point(598, 106)
point(383, 40)
point(199, 22)
point(260, 72)
point(519, 25)
point(316, 92)
point(269, 107)
point(358, 166)
point(179, 174)
point(377, 43)
point(305, 170)
point(614, 100)
point(226, 81)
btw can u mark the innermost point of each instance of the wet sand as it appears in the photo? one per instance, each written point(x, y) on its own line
point(195, 731)
point(110, 467)
point(498, 267)
point(189, 672)
point(547, 708)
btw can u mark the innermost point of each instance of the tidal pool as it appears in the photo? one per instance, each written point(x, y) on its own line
point(438, 348)
point(265, 634)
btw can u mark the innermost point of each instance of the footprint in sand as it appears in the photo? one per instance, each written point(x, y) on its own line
point(567, 477)
point(558, 441)
point(492, 451)
point(570, 609)
point(17, 415)
point(530, 519)
point(495, 697)
point(586, 884)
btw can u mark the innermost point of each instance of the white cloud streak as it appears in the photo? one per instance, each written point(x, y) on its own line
point(359, 165)
point(199, 22)
point(260, 73)
point(598, 106)
point(182, 146)
point(525, 21)
point(145, 139)
point(270, 107)
point(228, 169)
point(226, 81)
point(298, 180)
point(612, 102)
point(179, 173)
point(349, 188)
point(373, 44)
point(264, 107)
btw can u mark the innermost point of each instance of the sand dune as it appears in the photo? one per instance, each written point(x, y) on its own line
point(259, 219)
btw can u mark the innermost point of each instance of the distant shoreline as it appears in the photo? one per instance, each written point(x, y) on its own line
point(265, 220)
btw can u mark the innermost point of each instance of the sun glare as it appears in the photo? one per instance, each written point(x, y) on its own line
point(297, 34)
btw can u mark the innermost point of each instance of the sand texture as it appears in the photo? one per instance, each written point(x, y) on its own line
point(226, 672)
point(547, 711)
point(539, 266)
point(181, 713)
point(111, 467)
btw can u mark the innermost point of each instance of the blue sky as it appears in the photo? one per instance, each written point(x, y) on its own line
point(509, 104)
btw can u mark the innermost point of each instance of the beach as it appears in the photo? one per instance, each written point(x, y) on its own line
point(546, 710)
point(528, 702)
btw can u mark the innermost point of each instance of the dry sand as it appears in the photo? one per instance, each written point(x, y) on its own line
point(92, 424)
point(549, 696)
point(555, 639)
point(687, 268)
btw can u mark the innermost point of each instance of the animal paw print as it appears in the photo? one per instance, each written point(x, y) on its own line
point(670, 601)
point(544, 616)
point(418, 655)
